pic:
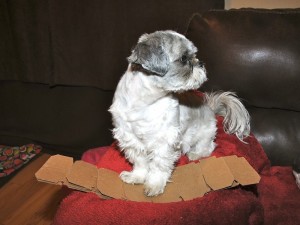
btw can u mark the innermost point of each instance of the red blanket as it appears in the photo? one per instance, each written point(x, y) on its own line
point(275, 200)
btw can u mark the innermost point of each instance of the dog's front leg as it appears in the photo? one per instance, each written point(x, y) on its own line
point(139, 172)
point(160, 170)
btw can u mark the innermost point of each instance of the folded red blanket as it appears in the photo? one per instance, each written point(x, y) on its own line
point(275, 200)
point(280, 196)
point(222, 207)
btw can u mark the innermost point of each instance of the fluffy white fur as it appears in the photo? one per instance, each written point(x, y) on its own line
point(297, 177)
point(156, 119)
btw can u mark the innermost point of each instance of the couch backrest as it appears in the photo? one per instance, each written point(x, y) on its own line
point(82, 43)
point(71, 54)
point(256, 53)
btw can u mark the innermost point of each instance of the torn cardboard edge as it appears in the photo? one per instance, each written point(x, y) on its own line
point(189, 181)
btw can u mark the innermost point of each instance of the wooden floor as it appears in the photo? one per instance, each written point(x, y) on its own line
point(24, 201)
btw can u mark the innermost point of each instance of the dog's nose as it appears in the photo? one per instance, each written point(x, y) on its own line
point(197, 62)
point(194, 61)
point(200, 63)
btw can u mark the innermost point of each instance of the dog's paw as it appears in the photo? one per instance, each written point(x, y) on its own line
point(133, 177)
point(155, 186)
point(153, 190)
point(197, 155)
point(193, 156)
point(201, 151)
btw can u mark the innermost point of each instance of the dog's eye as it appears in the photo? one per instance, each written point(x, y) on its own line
point(184, 59)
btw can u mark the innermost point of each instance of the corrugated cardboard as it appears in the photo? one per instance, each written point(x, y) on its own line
point(55, 169)
point(187, 182)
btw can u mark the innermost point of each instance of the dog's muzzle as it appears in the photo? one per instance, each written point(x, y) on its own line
point(197, 62)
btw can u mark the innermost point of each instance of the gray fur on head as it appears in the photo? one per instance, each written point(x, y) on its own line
point(150, 55)
point(171, 56)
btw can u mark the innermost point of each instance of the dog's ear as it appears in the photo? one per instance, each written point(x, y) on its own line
point(151, 57)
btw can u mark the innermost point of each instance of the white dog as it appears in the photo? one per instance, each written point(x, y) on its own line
point(156, 119)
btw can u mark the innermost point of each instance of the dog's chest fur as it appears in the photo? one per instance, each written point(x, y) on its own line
point(143, 113)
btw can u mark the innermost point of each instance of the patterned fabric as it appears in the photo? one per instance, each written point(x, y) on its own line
point(12, 158)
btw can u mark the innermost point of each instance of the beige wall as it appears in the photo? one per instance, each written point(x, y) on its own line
point(229, 4)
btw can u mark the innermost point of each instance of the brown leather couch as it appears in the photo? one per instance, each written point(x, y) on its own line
point(60, 63)
point(256, 53)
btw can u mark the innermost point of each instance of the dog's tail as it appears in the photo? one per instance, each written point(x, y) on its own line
point(236, 116)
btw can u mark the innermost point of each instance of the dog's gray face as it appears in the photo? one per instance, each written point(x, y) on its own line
point(172, 58)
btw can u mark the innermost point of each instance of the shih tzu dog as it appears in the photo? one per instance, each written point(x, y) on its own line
point(156, 118)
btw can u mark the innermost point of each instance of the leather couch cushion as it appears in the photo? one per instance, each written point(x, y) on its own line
point(253, 52)
point(278, 131)
point(256, 53)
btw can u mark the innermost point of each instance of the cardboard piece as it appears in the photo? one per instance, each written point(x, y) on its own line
point(55, 170)
point(84, 175)
point(187, 182)
point(110, 184)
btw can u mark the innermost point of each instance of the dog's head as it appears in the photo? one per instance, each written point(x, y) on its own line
point(171, 58)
